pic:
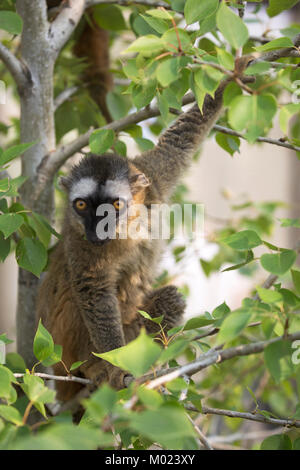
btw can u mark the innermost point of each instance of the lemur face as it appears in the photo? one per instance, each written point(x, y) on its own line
point(100, 191)
point(99, 207)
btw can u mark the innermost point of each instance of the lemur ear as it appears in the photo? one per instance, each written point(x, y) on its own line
point(64, 183)
point(137, 179)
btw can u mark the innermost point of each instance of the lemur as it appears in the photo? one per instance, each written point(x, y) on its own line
point(91, 295)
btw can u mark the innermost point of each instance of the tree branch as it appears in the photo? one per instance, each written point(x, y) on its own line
point(63, 26)
point(206, 410)
point(267, 140)
point(16, 68)
point(148, 3)
point(272, 56)
point(61, 378)
point(64, 96)
point(53, 161)
point(213, 357)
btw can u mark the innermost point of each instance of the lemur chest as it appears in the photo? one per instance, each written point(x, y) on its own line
point(133, 284)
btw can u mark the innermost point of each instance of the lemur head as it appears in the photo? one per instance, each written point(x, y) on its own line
point(100, 187)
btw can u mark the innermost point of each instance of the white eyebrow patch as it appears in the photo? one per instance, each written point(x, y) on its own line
point(83, 188)
point(117, 188)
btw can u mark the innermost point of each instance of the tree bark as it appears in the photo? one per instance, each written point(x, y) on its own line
point(37, 124)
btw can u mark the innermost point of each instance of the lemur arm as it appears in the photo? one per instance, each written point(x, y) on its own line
point(99, 309)
point(166, 162)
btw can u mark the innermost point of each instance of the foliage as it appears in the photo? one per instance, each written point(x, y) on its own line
point(162, 60)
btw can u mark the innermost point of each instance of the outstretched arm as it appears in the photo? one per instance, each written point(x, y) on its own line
point(165, 163)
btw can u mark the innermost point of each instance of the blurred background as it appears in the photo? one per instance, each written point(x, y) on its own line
point(258, 173)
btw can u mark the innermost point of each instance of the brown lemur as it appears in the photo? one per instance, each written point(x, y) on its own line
point(90, 297)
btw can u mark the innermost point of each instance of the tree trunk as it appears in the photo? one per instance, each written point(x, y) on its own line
point(37, 124)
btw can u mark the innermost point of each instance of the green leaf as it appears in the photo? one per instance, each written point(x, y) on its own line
point(174, 349)
point(225, 59)
point(43, 345)
point(279, 43)
point(233, 324)
point(249, 258)
point(11, 414)
point(197, 322)
point(158, 24)
point(296, 445)
point(62, 436)
point(101, 140)
point(290, 223)
point(109, 17)
point(9, 223)
point(231, 91)
point(6, 377)
point(178, 5)
point(269, 296)
point(14, 152)
point(4, 247)
point(278, 263)
point(156, 320)
point(143, 95)
point(55, 356)
point(253, 113)
point(150, 398)
point(4, 339)
point(147, 45)
point(277, 6)
point(278, 359)
point(232, 27)
point(244, 240)
point(196, 10)
point(125, 357)
point(11, 22)
point(204, 81)
point(4, 185)
point(170, 39)
point(163, 107)
point(167, 71)
point(144, 144)
point(163, 14)
point(258, 68)
point(31, 255)
point(15, 362)
point(296, 280)
point(221, 311)
point(167, 425)
point(42, 228)
point(77, 364)
point(36, 391)
point(229, 143)
point(101, 402)
point(277, 442)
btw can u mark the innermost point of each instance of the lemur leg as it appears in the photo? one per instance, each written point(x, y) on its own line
point(166, 301)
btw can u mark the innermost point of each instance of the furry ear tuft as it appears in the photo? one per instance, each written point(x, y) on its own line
point(64, 183)
point(138, 181)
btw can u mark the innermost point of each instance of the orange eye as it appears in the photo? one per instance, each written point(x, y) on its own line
point(80, 205)
point(119, 204)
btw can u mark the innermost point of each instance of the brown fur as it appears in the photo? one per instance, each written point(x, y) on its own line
point(93, 45)
point(90, 298)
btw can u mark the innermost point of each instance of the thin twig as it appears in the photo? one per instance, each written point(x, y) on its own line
point(206, 410)
point(61, 378)
point(267, 140)
point(148, 3)
point(213, 357)
point(64, 96)
point(203, 439)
